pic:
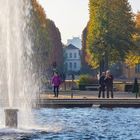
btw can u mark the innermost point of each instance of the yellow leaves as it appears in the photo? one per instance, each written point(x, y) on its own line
point(132, 59)
point(91, 59)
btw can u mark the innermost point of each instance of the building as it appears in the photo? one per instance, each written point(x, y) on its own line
point(76, 41)
point(72, 59)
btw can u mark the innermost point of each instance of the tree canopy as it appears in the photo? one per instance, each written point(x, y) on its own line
point(133, 57)
point(109, 32)
point(47, 46)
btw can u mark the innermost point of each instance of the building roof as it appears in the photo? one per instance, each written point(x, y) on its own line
point(71, 46)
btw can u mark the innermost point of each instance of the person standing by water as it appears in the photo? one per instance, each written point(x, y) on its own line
point(102, 85)
point(109, 83)
point(56, 81)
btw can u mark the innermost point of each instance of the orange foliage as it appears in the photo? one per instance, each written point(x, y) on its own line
point(40, 12)
point(138, 20)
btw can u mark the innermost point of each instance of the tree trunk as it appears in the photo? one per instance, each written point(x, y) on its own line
point(106, 65)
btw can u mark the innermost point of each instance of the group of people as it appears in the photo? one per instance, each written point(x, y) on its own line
point(106, 84)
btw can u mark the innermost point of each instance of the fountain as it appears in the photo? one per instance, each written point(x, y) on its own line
point(17, 91)
point(16, 88)
point(11, 118)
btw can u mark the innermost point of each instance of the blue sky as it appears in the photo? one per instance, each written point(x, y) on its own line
point(71, 16)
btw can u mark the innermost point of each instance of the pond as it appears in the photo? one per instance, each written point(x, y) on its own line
point(80, 124)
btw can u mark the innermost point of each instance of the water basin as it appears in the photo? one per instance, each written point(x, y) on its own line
point(79, 124)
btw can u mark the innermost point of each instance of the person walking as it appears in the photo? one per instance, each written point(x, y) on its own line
point(109, 83)
point(102, 85)
point(56, 81)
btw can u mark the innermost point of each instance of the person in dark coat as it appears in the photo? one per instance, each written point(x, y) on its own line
point(135, 88)
point(102, 85)
point(109, 83)
point(56, 81)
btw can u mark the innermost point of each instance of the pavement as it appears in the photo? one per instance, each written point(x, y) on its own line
point(77, 94)
point(87, 99)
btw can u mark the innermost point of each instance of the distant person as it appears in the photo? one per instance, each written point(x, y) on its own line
point(98, 76)
point(63, 76)
point(135, 88)
point(102, 85)
point(72, 77)
point(109, 83)
point(56, 81)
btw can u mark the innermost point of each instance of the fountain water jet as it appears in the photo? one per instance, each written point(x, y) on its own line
point(16, 80)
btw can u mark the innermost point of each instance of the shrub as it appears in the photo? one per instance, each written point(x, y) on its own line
point(87, 79)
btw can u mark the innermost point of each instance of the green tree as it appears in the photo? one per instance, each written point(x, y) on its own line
point(133, 57)
point(47, 46)
point(109, 32)
point(86, 68)
point(136, 36)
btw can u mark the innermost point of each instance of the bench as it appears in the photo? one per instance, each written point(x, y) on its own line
point(92, 87)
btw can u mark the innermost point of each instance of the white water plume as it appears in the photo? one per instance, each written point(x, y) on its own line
point(17, 87)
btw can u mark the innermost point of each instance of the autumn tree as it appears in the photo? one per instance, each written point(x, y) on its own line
point(109, 32)
point(85, 57)
point(136, 36)
point(47, 46)
point(138, 22)
point(133, 57)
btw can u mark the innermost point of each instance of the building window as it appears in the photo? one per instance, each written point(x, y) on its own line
point(66, 65)
point(137, 69)
point(75, 55)
point(66, 55)
point(75, 65)
point(70, 55)
point(70, 64)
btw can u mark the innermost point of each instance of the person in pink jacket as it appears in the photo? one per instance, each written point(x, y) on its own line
point(56, 81)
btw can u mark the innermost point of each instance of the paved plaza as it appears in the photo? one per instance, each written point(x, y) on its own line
point(76, 94)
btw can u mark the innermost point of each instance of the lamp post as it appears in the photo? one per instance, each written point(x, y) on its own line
point(102, 59)
point(54, 65)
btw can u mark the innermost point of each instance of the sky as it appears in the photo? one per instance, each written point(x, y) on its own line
point(71, 16)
